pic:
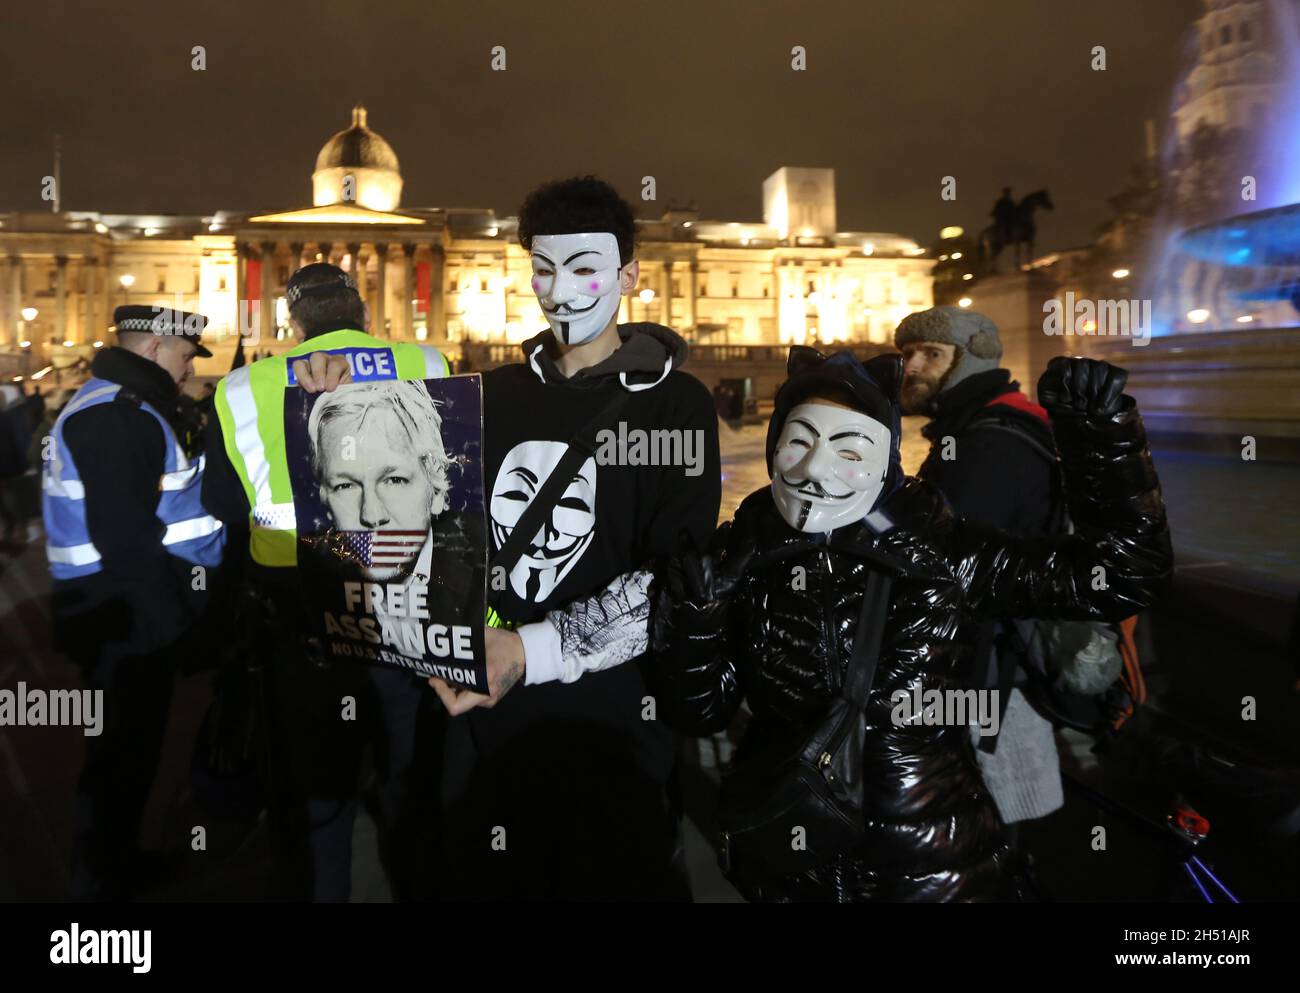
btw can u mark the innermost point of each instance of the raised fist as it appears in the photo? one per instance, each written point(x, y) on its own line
point(1076, 387)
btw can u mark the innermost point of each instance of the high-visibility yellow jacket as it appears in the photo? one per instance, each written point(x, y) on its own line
point(250, 407)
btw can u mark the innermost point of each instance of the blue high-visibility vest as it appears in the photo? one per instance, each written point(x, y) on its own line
point(192, 533)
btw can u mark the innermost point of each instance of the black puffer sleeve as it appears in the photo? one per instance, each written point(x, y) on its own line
point(694, 672)
point(1119, 558)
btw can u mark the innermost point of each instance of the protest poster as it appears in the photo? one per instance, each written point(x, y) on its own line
point(387, 481)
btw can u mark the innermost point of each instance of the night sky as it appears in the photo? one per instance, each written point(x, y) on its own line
point(698, 94)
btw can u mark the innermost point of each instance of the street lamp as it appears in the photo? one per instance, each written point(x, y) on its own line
point(127, 281)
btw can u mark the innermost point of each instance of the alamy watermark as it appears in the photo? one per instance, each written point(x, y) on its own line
point(25, 707)
point(1087, 317)
point(951, 708)
point(658, 447)
point(102, 947)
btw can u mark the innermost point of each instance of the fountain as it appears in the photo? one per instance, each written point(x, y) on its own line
point(1224, 361)
point(1258, 260)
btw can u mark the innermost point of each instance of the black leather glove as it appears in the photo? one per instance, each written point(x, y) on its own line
point(700, 579)
point(1082, 388)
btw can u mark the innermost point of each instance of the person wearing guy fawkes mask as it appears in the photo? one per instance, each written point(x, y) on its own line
point(563, 752)
point(993, 456)
point(769, 616)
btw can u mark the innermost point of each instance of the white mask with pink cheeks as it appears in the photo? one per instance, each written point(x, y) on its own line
point(575, 277)
point(829, 467)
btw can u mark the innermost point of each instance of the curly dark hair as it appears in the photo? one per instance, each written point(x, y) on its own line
point(583, 203)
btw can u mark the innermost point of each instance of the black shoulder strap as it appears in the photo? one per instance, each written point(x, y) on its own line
point(867, 638)
point(581, 447)
point(990, 424)
point(1058, 519)
point(1007, 664)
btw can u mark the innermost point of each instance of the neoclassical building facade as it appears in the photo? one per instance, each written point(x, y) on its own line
point(455, 277)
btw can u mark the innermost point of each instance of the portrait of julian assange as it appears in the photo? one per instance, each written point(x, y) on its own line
point(388, 494)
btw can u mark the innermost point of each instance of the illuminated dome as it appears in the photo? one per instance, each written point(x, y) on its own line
point(357, 166)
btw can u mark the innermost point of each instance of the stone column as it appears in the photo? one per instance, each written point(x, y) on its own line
point(379, 312)
point(693, 278)
point(408, 291)
point(266, 306)
point(105, 302)
point(776, 305)
point(325, 249)
point(80, 300)
point(295, 261)
point(86, 308)
point(13, 302)
point(242, 311)
point(358, 271)
point(90, 273)
point(61, 300)
point(437, 302)
point(666, 291)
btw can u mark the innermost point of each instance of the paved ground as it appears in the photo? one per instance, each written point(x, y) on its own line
point(1243, 515)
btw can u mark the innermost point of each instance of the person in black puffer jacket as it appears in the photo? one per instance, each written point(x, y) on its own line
point(733, 625)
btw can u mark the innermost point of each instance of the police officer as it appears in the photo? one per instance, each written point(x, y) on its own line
point(129, 545)
point(316, 751)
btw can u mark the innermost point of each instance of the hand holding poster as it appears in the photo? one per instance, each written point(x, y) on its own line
point(392, 546)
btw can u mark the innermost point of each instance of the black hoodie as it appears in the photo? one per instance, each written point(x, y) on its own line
point(639, 509)
point(582, 764)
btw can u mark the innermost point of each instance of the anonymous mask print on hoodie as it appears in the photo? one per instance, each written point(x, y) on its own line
point(576, 279)
point(829, 466)
point(565, 533)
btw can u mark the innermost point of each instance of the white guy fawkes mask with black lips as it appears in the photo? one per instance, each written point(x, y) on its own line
point(569, 530)
point(576, 279)
point(829, 466)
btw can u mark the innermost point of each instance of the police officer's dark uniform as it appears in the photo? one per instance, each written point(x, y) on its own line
point(129, 546)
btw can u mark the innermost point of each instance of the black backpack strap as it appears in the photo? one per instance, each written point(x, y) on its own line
point(1007, 663)
point(1057, 518)
point(867, 638)
point(1009, 426)
point(581, 447)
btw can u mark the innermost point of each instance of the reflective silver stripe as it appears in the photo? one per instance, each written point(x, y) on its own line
point(435, 367)
point(72, 489)
point(243, 409)
point(195, 527)
point(179, 479)
point(72, 554)
point(275, 516)
point(81, 401)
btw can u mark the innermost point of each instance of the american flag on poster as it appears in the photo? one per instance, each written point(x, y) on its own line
point(381, 548)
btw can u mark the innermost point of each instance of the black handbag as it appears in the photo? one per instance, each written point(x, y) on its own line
point(796, 804)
